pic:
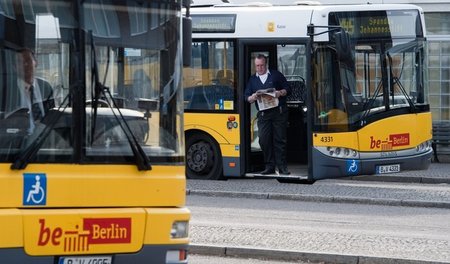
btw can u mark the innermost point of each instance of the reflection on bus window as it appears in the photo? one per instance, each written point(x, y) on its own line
point(292, 63)
point(102, 21)
point(364, 89)
point(210, 80)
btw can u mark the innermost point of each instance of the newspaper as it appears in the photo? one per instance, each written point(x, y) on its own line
point(266, 99)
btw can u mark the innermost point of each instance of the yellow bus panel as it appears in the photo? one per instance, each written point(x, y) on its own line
point(343, 139)
point(11, 234)
point(163, 218)
point(393, 133)
point(96, 185)
point(224, 128)
point(83, 231)
point(396, 133)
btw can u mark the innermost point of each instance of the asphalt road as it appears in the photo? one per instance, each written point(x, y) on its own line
point(321, 231)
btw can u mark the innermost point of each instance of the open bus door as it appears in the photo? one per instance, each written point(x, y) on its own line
point(286, 58)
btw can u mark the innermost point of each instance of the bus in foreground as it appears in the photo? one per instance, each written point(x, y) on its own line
point(91, 132)
point(358, 77)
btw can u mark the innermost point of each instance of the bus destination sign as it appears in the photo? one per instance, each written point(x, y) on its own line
point(378, 24)
point(225, 23)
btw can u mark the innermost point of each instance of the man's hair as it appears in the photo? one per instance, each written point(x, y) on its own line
point(261, 56)
point(23, 50)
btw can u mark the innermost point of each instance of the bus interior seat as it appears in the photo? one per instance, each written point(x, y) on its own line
point(297, 95)
point(199, 100)
point(206, 97)
point(225, 77)
point(352, 103)
point(215, 93)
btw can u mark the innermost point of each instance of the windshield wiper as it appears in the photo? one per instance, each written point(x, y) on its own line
point(396, 80)
point(29, 153)
point(141, 158)
point(368, 104)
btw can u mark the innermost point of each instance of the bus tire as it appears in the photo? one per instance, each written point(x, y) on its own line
point(203, 158)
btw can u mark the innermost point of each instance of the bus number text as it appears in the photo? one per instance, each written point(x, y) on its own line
point(326, 139)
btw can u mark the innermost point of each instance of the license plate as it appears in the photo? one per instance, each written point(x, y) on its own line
point(86, 260)
point(388, 169)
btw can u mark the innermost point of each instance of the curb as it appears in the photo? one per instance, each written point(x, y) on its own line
point(321, 198)
point(393, 178)
point(289, 255)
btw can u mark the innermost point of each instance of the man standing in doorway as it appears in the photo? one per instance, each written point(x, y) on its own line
point(272, 120)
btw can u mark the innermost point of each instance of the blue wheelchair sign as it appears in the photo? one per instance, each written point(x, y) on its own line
point(34, 189)
point(353, 167)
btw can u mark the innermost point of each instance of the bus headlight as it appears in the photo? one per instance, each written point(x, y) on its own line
point(424, 146)
point(180, 229)
point(339, 152)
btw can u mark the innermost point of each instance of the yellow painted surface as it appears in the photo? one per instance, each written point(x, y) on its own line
point(163, 218)
point(394, 133)
point(215, 125)
point(83, 231)
point(11, 233)
point(69, 223)
point(342, 139)
point(97, 185)
point(88, 231)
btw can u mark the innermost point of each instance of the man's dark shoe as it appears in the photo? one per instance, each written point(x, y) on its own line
point(283, 172)
point(267, 171)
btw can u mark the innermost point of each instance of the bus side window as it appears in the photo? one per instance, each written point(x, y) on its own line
point(198, 100)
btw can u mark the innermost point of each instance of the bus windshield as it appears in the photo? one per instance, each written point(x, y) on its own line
point(379, 77)
point(121, 100)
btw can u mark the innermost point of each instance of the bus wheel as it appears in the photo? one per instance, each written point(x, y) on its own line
point(203, 158)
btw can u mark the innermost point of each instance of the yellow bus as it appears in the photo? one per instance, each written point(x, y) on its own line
point(358, 78)
point(91, 132)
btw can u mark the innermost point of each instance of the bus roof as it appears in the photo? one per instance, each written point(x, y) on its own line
point(267, 21)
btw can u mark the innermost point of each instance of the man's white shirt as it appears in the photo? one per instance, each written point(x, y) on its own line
point(263, 77)
point(25, 101)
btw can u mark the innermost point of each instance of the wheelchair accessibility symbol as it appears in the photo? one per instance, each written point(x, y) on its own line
point(353, 167)
point(34, 189)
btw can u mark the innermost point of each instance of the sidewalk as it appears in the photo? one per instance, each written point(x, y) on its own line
point(436, 173)
point(402, 189)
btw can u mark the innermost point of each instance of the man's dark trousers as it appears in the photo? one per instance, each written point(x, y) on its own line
point(272, 125)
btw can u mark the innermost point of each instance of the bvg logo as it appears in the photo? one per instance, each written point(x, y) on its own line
point(93, 231)
point(394, 140)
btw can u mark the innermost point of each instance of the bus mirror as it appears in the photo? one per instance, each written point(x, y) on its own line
point(343, 47)
point(187, 41)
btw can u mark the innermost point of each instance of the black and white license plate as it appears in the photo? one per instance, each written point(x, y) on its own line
point(382, 169)
point(86, 260)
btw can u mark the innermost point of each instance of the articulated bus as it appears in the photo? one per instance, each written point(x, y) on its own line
point(98, 176)
point(359, 98)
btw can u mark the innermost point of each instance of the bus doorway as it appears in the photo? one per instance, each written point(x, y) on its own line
point(289, 59)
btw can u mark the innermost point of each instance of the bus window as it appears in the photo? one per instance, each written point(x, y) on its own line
point(331, 112)
point(292, 63)
point(209, 83)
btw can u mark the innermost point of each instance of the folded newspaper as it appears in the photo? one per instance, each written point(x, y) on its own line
point(266, 99)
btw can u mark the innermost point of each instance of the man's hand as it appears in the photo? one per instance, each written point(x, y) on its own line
point(280, 93)
point(252, 98)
